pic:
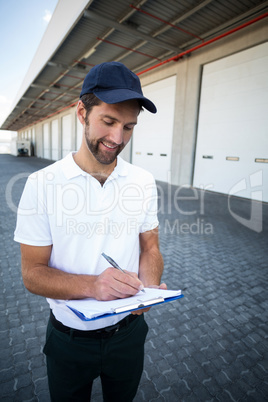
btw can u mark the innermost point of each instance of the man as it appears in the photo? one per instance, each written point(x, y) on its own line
point(70, 212)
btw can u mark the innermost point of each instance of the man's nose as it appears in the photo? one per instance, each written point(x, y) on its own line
point(117, 135)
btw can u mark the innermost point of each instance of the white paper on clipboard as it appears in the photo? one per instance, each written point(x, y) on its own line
point(90, 309)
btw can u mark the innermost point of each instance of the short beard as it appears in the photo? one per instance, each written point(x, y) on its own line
point(93, 146)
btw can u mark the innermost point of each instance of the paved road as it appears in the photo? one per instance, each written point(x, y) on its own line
point(209, 346)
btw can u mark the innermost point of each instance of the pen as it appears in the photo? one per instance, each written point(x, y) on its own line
point(115, 265)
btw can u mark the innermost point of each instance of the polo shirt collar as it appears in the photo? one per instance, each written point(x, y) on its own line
point(121, 168)
point(71, 169)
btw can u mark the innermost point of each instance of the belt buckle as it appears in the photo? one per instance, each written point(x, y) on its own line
point(111, 331)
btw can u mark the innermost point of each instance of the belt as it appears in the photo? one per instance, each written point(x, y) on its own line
point(101, 333)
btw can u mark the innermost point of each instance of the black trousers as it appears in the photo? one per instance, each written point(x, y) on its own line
point(74, 362)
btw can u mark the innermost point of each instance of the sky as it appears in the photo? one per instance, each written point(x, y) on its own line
point(22, 26)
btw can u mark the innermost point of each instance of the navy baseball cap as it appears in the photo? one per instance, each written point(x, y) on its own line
point(113, 82)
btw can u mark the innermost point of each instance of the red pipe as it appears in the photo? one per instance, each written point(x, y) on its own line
point(61, 85)
point(72, 76)
point(56, 93)
point(174, 58)
point(128, 48)
point(166, 22)
point(180, 55)
point(83, 62)
point(52, 114)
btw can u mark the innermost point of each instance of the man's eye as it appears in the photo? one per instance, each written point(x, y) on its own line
point(128, 128)
point(108, 123)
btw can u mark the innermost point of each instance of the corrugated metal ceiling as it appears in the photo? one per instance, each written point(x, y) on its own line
point(139, 34)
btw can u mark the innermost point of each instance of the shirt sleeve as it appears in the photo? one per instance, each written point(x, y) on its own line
point(32, 219)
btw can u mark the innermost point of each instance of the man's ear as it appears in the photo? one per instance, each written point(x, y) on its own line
point(81, 112)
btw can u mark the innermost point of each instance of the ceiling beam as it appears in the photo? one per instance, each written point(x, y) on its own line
point(127, 30)
point(181, 18)
point(230, 23)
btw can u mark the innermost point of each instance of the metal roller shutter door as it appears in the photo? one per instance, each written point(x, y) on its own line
point(152, 138)
point(232, 140)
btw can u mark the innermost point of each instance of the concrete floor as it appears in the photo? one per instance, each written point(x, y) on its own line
point(209, 346)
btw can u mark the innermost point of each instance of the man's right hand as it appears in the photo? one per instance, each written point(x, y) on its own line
point(113, 284)
point(43, 280)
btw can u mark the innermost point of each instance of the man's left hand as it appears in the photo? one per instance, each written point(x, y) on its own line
point(144, 310)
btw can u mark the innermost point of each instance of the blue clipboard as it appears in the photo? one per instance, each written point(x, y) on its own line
point(155, 303)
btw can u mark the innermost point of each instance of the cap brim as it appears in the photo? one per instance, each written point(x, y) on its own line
point(121, 95)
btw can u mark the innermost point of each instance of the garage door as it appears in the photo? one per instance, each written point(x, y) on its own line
point(66, 135)
point(152, 139)
point(79, 133)
point(55, 140)
point(232, 140)
point(46, 141)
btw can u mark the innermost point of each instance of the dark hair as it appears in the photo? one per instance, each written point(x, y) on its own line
point(91, 100)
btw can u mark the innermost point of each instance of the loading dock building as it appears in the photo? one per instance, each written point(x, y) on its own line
point(203, 63)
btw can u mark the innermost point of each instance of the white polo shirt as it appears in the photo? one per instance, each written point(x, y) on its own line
point(64, 206)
